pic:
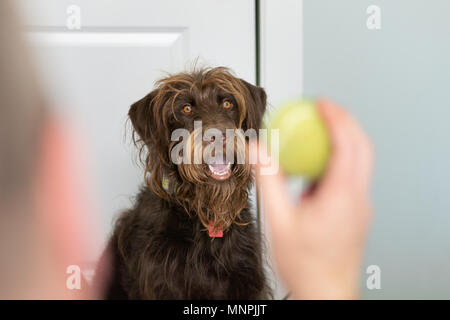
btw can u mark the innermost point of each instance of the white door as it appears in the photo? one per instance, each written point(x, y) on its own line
point(94, 73)
point(99, 56)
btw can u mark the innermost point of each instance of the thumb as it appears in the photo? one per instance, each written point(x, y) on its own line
point(277, 205)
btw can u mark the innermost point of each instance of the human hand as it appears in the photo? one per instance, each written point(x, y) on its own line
point(318, 244)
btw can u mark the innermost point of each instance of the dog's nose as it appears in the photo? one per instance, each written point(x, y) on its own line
point(224, 138)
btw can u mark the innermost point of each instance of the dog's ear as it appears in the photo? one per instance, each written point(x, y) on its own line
point(142, 116)
point(256, 105)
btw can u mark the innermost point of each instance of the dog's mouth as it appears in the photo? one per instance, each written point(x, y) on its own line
point(219, 169)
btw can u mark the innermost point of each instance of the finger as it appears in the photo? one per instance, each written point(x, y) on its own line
point(278, 207)
point(362, 154)
point(367, 158)
point(364, 158)
point(341, 163)
point(352, 159)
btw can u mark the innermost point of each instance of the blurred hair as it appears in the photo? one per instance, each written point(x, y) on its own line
point(21, 115)
point(40, 224)
point(21, 106)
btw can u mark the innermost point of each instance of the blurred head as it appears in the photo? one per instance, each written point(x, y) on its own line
point(40, 207)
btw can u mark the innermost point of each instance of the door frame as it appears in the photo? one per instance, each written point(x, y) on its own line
point(279, 70)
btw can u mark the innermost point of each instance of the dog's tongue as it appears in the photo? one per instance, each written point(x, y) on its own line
point(219, 164)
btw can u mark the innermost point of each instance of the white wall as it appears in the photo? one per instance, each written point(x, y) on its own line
point(396, 82)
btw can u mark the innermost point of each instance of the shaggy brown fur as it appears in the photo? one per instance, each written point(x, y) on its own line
point(161, 249)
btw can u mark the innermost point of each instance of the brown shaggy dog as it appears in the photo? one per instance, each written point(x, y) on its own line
point(190, 234)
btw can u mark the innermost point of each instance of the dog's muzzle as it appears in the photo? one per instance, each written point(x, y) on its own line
point(220, 168)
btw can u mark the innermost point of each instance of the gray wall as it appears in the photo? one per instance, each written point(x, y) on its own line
point(396, 82)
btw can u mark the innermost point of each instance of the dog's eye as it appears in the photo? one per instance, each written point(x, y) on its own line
point(187, 108)
point(226, 104)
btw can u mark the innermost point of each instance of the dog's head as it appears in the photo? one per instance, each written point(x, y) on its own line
point(207, 168)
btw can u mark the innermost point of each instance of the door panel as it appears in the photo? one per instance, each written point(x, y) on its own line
point(95, 73)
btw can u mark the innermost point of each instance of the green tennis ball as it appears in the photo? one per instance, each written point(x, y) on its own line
point(304, 144)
